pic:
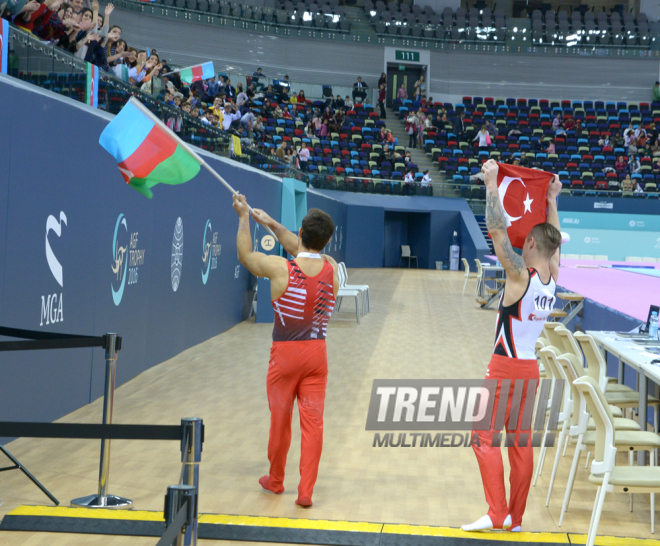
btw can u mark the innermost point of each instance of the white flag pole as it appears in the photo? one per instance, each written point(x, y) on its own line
point(188, 149)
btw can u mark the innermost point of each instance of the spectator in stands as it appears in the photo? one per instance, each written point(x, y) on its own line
point(323, 129)
point(656, 166)
point(409, 178)
point(402, 92)
point(620, 164)
point(492, 130)
point(632, 147)
point(556, 122)
point(137, 72)
point(231, 115)
point(229, 90)
point(551, 147)
point(335, 122)
point(617, 140)
point(292, 159)
point(482, 138)
point(411, 128)
point(301, 97)
point(303, 156)
point(420, 88)
point(281, 150)
point(338, 103)
point(634, 166)
point(604, 141)
point(359, 90)
point(523, 161)
point(258, 128)
point(628, 135)
point(310, 132)
point(241, 97)
point(382, 91)
point(569, 123)
point(442, 123)
point(382, 80)
point(656, 92)
point(459, 127)
point(256, 79)
point(627, 184)
point(426, 179)
point(386, 154)
point(348, 103)
point(247, 120)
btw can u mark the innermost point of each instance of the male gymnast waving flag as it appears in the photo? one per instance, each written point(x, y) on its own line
point(303, 292)
point(528, 299)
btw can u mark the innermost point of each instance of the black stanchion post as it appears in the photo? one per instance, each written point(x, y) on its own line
point(102, 499)
point(177, 496)
point(191, 455)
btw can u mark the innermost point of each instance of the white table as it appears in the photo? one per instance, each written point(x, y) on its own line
point(490, 298)
point(639, 360)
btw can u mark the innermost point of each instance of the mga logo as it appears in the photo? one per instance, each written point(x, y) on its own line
point(126, 258)
point(210, 251)
point(52, 310)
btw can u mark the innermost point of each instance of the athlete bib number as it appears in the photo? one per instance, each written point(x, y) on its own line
point(544, 302)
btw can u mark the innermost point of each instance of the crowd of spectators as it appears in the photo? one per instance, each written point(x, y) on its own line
point(610, 146)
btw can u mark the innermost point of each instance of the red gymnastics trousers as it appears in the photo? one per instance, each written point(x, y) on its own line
point(297, 370)
point(521, 459)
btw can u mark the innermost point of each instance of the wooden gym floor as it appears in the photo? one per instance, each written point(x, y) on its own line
point(419, 327)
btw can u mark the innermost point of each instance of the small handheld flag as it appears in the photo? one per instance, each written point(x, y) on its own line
point(92, 90)
point(4, 46)
point(523, 194)
point(199, 72)
point(149, 153)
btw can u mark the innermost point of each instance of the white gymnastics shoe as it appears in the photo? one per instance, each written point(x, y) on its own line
point(485, 523)
point(516, 529)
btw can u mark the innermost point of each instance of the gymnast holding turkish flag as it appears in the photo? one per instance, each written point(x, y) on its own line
point(521, 212)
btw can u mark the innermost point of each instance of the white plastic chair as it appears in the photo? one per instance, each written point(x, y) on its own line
point(466, 265)
point(405, 253)
point(349, 293)
point(604, 471)
point(342, 273)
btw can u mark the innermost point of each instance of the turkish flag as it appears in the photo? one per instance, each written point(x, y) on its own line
point(523, 194)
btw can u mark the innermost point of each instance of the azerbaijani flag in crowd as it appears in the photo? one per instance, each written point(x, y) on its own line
point(92, 90)
point(523, 193)
point(195, 73)
point(147, 152)
point(4, 45)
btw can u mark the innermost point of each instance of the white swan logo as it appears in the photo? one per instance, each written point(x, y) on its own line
point(52, 224)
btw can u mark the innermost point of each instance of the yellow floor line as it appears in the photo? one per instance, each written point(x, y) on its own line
point(90, 513)
point(328, 525)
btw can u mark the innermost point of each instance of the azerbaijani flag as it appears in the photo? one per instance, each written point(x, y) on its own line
point(4, 45)
point(92, 90)
point(147, 152)
point(196, 73)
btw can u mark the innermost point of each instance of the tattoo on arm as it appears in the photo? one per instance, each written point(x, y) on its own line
point(495, 221)
point(494, 212)
point(516, 261)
